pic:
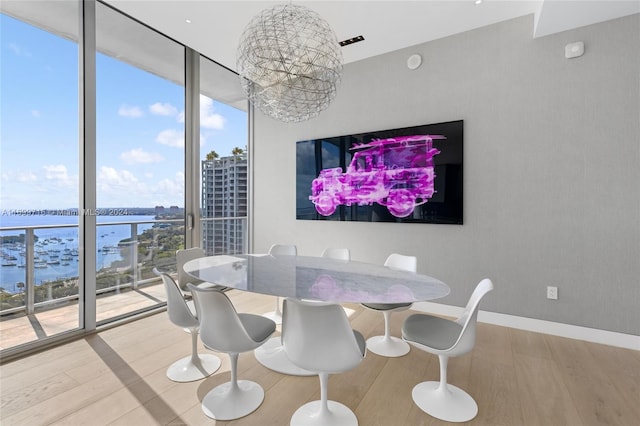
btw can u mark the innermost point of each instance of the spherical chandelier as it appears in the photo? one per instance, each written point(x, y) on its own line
point(290, 63)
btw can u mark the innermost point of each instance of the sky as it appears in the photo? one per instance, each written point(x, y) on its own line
point(140, 127)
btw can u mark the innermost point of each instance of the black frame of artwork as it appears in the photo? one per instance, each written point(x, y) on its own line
point(445, 205)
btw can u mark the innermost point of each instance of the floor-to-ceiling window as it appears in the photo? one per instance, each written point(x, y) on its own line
point(140, 145)
point(136, 193)
point(224, 160)
point(39, 171)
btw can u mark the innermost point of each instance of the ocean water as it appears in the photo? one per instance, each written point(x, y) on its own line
point(60, 242)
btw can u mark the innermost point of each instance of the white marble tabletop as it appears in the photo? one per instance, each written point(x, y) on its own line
point(316, 278)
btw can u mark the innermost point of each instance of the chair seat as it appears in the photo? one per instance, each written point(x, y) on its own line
point(205, 284)
point(258, 327)
point(434, 332)
point(362, 343)
point(386, 306)
point(192, 307)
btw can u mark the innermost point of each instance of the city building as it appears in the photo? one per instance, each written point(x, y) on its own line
point(224, 204)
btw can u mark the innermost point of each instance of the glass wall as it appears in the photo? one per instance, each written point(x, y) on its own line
point(223, 159)
point(140, 183)
point(39, 160)
point(140, 147)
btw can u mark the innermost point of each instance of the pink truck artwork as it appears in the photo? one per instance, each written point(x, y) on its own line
point(397, 173)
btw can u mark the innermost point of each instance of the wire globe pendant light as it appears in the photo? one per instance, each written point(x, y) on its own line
point(290, 63)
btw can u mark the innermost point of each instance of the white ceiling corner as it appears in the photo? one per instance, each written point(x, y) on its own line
point(216, 25)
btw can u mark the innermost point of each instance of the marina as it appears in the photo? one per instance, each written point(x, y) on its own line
point(56, 250)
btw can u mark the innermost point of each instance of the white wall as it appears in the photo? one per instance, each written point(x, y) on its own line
point(551, 168)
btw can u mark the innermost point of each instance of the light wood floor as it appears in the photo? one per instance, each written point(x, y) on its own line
point(117, 377)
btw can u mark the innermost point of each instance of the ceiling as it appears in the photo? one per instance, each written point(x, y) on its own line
point(216, 25)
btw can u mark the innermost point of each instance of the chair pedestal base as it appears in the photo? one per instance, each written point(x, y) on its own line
point(387, 346)
point(272, 356)
point(225, 403)
point(186, 370)
point(451, 404)
point(310, 414)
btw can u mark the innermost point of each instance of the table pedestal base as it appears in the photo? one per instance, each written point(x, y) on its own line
point(272, 356)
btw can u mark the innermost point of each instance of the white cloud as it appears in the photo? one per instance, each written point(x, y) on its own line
point(26, 177)
point(47, 187)
point(55, 170)
point(130, 111)
point(208, 118)
point(140, 156)
point(171, 137)
point(163, 109)
point(112, 181)
point(19, 50)
point(35, 113)
point(171, 188)
point(19, 176)
point(59, 176)
point(122, 187)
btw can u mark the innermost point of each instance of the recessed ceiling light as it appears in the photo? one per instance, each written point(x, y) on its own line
point(478, 2)
point(188, 21)
point(351, 40)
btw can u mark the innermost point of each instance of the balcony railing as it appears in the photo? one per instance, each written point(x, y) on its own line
point(146, 244)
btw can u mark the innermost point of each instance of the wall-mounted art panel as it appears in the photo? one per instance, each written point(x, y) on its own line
point(409, 175)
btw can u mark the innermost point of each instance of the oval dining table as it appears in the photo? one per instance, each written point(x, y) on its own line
point(312, 278)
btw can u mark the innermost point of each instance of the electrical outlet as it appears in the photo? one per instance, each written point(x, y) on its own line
point(552, 292)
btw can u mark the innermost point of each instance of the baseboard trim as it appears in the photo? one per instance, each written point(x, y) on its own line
point(611, 338)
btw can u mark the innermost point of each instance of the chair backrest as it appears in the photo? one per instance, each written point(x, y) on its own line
point(182, 257)
point(337, 253)
point(220, 326)
point(469, 318)
point(318, 337)
point(283, 249)
point(179, 312)
point(401, 262)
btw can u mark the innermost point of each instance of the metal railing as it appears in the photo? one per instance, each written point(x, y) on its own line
point(221, 237)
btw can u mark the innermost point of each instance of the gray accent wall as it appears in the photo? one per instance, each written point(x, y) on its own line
point(551, 168)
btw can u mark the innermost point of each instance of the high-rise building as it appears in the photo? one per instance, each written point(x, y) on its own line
point(224, 205)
